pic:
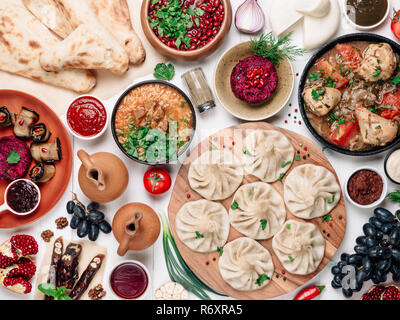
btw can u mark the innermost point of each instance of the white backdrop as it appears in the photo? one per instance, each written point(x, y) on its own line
point(207, 123)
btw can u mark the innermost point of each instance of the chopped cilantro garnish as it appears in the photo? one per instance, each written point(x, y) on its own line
point(332, 200)
point(261, 279)
point(291, 258)
point(263, 224)
point(396, 80)
point(378, 127)
point(314, 76)
point(297, 158)
point(326, 218)
point(378, 72)
point(198, 235)
point(285, 164)
point(234, 205)
point(281, 176)
point(220, 250)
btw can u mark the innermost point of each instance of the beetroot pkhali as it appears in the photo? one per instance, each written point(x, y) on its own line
point(15, 158)
point(254, 79)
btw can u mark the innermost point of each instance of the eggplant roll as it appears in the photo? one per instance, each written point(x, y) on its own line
point(24, 121)
point(40, 133)
point(7, 118)
point(46, 152)
point(42, 172)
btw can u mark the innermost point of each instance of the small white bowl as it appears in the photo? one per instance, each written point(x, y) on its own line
point(5, 206)
point(143, 296)
point(377, 202)
point(365, 28)
point(77, 135)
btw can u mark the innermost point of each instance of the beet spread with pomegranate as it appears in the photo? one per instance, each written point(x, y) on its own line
point(365, 187)
point(15, 158)
point(254, 79)
point(186, 25)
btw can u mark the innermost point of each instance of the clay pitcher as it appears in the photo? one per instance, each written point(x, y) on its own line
point(136, 227)
point(103, 177)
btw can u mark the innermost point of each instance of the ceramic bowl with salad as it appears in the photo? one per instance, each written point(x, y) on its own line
point(153, 122)
point(186, 29)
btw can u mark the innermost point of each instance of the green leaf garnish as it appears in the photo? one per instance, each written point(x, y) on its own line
point(234, 205)
point(291, 258)
point(281, 176)
point(326, 218)
point(198, 235)
point(251, 191)
point(331, 83)
point(378, 72)
point(396, 80)
point(285, 164)
point(13, 157)
point(288, 226)
point(378, 127)
point(220, 250)
point(261, 279)
point(50, 290)
point(163, 71)
point(263, 224)
point(332, 200)
point(314, 76)
point(297, 158)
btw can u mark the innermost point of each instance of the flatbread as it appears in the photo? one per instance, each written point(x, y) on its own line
point(51, 14)
point(114, 14)
point(22, 40)
point(88, 47)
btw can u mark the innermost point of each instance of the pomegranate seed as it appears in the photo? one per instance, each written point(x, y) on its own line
point(21, 122)
point(1, 118)
point(44, 150)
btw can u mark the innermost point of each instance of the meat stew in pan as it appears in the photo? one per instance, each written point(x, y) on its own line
point(352, 97)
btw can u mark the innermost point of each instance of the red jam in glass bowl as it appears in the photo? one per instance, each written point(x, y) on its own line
point(129, 280)
point(87, 117)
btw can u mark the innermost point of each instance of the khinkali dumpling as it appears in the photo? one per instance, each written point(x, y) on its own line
point(267, 154)
point(299, 246)
point(215, 175)
point(311, 191)
point(202, 225)
point(257, 211)
point(246, 265)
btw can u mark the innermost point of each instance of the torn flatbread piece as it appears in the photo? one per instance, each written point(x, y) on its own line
point(114, 14)
point(52, 15)
point(88, 47)
point(22, 40)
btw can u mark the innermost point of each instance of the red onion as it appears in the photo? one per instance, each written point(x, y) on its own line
point(249, 17)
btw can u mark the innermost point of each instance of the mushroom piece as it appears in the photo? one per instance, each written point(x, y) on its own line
point(378, 63)
point(42, 172)
point(7, 118)
point(45, 152)
point(375, 129)
point(40, 133)
point(24, 121)
point(328, 99)
point(171, 291)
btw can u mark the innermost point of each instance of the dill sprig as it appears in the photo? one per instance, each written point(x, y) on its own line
point(275, 50)
point(394, 196)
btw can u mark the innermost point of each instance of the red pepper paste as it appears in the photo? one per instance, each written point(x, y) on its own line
point(365, 187)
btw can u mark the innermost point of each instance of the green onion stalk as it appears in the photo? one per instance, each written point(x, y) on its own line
point(177, 268)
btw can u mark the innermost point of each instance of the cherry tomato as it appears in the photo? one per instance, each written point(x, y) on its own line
point(395, 26)
point(157, 181)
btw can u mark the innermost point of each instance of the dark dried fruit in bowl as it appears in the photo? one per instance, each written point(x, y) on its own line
point(40, 133)
point(93, 232)
point(42, 172)
point(83, 228)
point(96, 216)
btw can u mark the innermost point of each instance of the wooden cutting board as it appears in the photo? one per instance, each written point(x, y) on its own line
point(205, 265)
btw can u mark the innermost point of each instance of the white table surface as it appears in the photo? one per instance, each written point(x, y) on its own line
point(207, 123)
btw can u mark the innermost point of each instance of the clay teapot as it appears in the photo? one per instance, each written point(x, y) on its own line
point(103, 177)
point(136, 227)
